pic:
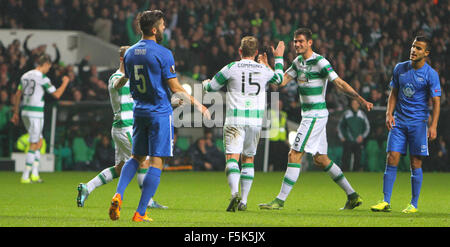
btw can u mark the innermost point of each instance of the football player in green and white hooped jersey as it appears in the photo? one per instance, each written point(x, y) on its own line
point(121, 132)
point(312, 73)
point(245, 104)
point(33, 85)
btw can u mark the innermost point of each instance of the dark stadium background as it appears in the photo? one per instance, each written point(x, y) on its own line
point(363, 40)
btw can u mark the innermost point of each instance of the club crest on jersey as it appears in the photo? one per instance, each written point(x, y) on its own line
point(302, 78)
point(409, 90)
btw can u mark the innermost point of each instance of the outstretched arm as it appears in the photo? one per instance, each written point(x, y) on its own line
point(278, 53)
point(176, 88)
point(58, 55)
point(350, 92)
point(58, 93)
point(286, 79)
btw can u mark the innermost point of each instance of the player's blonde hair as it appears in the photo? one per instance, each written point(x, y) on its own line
point(122, 50)
point(43, 59)
point(249, 46)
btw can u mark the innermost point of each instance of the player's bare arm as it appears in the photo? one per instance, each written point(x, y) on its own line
point(349, 91)
point(432, 130)
point(176, 88)
point(15, 116)
point(286, 79)
point(119, 83)
point(392, 101)
point(277, 52)
point(58, 93)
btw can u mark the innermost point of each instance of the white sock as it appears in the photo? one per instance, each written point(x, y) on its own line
point(140, 176)
point(336, 174)
point(29, 160)
point(247, 175)
point(102, 178)
point(140, 179)
point(37, 158)
point(233, 175)
point(289, 180)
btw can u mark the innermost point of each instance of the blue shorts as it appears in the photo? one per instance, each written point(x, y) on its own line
point(413, 135)
point(153, 136)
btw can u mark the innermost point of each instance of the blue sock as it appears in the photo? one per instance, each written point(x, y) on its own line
point(149, 186)
point(126, 175)
point(416, 184)
point(388, 182)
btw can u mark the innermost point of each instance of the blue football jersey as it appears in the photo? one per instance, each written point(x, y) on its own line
point(148, 65)
point(415, 87)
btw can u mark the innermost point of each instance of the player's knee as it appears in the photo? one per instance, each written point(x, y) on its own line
point(416, 162)
point(247, 159)
point(321, 160)
point(139, 158)
point(294, 156)
point(145, 164)
point(393, 158)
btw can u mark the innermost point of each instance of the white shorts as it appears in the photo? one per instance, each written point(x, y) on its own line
point(311, 136)
point(34, 127)
point(241, 139)
point(122, 140)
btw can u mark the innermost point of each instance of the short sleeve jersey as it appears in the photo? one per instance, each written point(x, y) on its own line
point(312, 76)
point(415, 87)
point(121, 102)
point(148, 65)
point(246, 82)
point(34, 84)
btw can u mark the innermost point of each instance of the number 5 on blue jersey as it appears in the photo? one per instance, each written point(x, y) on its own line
point(142, 88)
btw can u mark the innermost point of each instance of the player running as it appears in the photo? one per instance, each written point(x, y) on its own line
point(245, 105)
point(150, 69)
point(121, 132)
point(33, 85)
point(312, 73)
point(413, 83)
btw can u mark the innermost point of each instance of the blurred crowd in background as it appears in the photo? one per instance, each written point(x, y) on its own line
point(363, 40)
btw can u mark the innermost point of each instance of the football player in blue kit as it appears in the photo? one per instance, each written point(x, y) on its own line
point(413, 83)
point(150, 68)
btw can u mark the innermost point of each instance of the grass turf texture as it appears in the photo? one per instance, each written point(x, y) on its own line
point(199, 199)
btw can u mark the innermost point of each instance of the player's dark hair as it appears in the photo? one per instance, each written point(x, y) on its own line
point(42, 59)
point(249, 46)
point(424, 39)
point(148, 20)
point(305, 32)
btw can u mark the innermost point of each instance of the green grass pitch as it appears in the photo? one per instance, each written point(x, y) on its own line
point(199, 199)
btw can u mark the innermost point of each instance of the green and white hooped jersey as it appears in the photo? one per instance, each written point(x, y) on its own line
point(121, 102)
point(34, 84)
point(312, 76)
point(246, 82)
